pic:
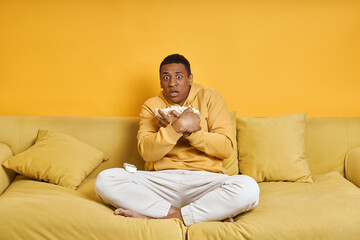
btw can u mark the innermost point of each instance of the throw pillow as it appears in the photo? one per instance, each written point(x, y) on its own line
point(56, 158)
point(273, 148)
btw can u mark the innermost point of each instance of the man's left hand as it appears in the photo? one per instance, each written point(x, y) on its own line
point(165, 120)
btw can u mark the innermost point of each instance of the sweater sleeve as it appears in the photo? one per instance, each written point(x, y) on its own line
point(217, 140)
point(154, 143)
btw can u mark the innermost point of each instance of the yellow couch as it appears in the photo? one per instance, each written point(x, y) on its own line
point(328, 208)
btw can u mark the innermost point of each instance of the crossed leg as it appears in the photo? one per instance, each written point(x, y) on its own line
point(232, 195)
point(173, 213)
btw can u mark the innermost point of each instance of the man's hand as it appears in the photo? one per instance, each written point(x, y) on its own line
point(187, 123)
point(165, 120)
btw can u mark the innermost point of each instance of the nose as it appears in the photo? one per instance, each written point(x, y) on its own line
point(172, 82)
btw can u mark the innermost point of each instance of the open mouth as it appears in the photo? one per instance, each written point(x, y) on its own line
point(173, 93)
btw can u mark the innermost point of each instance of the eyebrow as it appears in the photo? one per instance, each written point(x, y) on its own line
point(168, 73)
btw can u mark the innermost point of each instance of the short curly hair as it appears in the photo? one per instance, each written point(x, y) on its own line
point(176, 58)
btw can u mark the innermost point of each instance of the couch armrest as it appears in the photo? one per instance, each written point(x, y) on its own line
point(6, 175)
point(352, 166)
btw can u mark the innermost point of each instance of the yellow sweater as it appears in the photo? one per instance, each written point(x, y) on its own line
point(164, 148)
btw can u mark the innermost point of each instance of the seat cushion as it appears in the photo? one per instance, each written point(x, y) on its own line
point(38, 210)
point(327, 209)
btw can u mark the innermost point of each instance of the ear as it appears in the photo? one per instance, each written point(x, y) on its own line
point(161, 85)
point(191, 77)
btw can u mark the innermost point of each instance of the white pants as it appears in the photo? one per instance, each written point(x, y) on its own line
point(201, 196)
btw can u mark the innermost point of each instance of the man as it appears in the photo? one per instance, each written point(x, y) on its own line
point(183, 155)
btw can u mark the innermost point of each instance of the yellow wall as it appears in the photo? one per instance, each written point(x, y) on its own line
point(101, 58)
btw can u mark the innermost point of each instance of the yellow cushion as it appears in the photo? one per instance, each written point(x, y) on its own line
point(6, 176)
point(327, 209)
point(272, 149)
point(36, 210)
point(56, 158)
point(231, 164)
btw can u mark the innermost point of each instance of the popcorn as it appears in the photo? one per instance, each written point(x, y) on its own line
point(178, 109)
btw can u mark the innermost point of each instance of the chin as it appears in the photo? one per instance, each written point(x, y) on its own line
point(174, 100)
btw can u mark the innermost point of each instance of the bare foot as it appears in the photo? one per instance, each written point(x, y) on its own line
point(129, 213)
point(173, 213)
point(230, 219)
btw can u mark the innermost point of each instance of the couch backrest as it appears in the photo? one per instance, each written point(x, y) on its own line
point(115, 136)
point(327, 140)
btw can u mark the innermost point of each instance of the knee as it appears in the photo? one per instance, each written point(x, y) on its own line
point(105, 178)
point(247, 188)
point(101, 180)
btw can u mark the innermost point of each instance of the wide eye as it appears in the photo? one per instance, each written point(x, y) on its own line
point(178, 76)
point(166, 77)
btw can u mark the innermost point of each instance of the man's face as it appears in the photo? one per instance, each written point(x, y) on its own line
point(175, 82)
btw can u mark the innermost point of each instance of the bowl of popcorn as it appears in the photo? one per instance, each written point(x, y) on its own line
point(180, 109)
